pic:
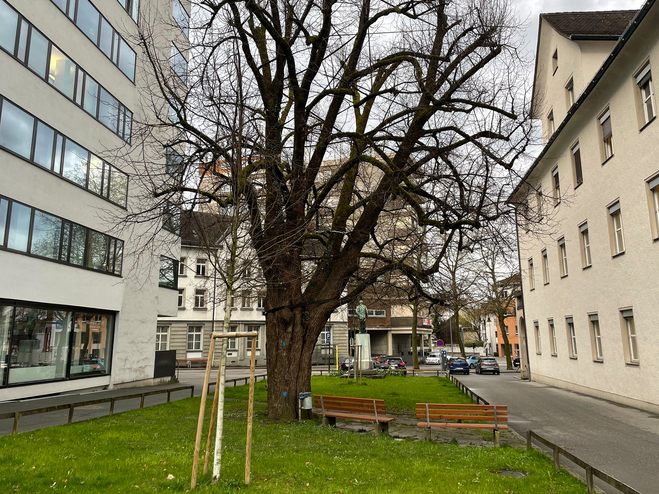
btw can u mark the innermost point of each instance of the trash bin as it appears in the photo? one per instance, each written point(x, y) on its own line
point(305, 400)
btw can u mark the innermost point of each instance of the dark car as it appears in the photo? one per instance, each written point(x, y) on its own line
point(458, 365)
point(394, 364)
point(516, 362)
point(487, 364)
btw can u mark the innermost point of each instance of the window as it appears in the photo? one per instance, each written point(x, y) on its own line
point(644, 82)
point(132, 8)
point(74, 165)
point(194, 338)
point(171, 218)
point(552, 337)
point(16, 128)
point(536, 331)
point(254, 329)
point(607, 134)
point(615, 226)
point(569, 90)
point(162, 333)
point(551, 125)
point(562, 257)
point(571, 337)
point(556, 183)
point(179, 64)
point(181, 266)
point(576, 164)
point(232, 344)
point(181, 298)
point(181, 16)
point(19, 227)
point(260, 299)
point(630, 343)
point(653, 189)
point(539, 200)
point(46, 231)
point(554, 61)
point(168, 273)
point(246, 299)
point(201, 267)
point(584, 240)
point(545, 267)
point(174, 164)
point(87, 19)
point(595, 337)
point(199, 299)
point(59, 70)
point(531, 275)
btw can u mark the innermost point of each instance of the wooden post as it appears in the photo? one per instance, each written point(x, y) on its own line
point(71, 413)
point(556, 455)
point(211, 427)
point(219, 428)
point(200, 419)
point(17, 418)
point(529, 442)
point(250, 415)
point(589, 479)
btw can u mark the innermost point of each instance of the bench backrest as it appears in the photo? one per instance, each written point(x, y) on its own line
point(370, 406)
point(440, 412)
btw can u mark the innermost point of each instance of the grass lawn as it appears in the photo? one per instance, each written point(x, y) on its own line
point(137, 451)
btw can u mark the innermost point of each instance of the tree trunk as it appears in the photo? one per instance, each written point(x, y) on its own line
point(460, 334)
point(415, 356)
point(506, 342)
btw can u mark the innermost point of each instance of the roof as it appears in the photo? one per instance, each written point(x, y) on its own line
point(202, 229)
point(579, 25)
point(624, 38)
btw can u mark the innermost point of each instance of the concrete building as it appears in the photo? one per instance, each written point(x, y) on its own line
point(77, 309)
point(201, 300)
point(588, 216)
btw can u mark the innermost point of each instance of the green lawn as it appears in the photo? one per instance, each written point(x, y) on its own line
point(136, 451)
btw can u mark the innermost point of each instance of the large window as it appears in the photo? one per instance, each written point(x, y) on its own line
point(595, 337)
point(41, 234)
point(194, 338)
point(200, 298)
point(181, 16)
point(59, 154)
point(629, 342)
point(53, 66)
point(168, 277)
point(201, 267)
point(646, 92)
point(162, 338)
point(47, 343)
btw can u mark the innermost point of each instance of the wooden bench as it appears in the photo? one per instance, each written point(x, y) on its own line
point(460, 416)
point(360, 409)
point(191, 362)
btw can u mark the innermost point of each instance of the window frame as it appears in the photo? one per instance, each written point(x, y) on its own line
point(606, 141)
point(201, 263)
point(553, 344)
point(180, 300)
point(652, 189)
point(630, 336)
point(197, 333)
point(569, 88)
point(538, 343)
point(616, 228)
point(545, 266)
point(577, 165)
point(571, 337)
point(595, 337)
point(531, 274)
point(562, 258)
point(584, 244)
point(642, 80)
point(556, 185)
point(159, 337)
point(200, 295)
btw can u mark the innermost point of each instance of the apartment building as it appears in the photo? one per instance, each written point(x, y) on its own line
point(201, 300)
point(588, 215)
point(78, 305)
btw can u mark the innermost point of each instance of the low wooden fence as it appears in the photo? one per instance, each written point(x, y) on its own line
point(79, 402)
point(590, 471)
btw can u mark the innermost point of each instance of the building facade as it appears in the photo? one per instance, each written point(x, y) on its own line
point(588, 215)
point(78, 305)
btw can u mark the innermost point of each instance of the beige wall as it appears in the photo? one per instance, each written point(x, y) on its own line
point(612, 283)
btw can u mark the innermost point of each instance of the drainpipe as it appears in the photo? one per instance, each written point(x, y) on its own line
point(521, 322)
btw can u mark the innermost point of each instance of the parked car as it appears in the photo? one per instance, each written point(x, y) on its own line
point(487, 364)
point(472, 360)
point(347, 364)
point(434, 358)
point(394, 364)
point(458, 364)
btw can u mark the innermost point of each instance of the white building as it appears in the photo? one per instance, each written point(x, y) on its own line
point(76, 309)
point(201, 300)
point(589, 228)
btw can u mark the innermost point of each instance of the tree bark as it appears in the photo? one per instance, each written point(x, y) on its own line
point(506, 343)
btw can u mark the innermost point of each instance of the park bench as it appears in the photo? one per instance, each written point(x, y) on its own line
point(359, 409)
point(461, 416)
point(191, 362)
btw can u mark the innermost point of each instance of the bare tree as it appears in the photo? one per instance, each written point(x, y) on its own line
point(330, 118)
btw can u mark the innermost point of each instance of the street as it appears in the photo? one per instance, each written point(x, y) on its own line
point(622, 441)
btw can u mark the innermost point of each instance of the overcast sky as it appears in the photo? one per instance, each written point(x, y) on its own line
point(529, 10)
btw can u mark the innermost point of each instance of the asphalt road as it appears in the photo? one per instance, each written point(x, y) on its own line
point(621, 441)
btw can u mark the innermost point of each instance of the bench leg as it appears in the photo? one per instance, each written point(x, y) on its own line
point(495, 437)
point(429, 433)
point(331, 421)
point(382, 427)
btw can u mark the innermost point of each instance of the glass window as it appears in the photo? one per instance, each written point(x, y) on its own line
point(105, 39)
point(92, 336)
point(201, 267)
point(4, 205)
point(118, 257)
point(179, 64)
point(6, 318)
point(87, 19)
point(181, 16)
point(167, 278)
point(43, 148)
point(162, 333)
point(118, 186)
point(90, 103)
point(194, 338)
point(78, 242)
point(181, 298)
point(8, 23)
point(576, 161)
point(21, 49)
point(95, 174)
point(46, 231)
point(61, 4)
point(38, 57)
point(19, 227)
point(96, 255)
point(126, 59)
point(16, 128)
point(39, 345)
point(607, 134)
point(200, 298)
point(108, 112)
point(62, 72)
point(75, 163)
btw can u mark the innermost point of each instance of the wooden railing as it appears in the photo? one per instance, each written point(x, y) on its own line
point(591, 471)
point(76, 401)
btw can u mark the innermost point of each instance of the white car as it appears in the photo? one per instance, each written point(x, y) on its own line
point(433, 359)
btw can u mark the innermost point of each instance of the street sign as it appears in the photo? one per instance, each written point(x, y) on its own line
point(440, 342)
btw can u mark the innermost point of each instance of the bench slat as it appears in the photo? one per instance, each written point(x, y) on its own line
point(456, 425)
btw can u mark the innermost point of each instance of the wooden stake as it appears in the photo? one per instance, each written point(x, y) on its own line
point(211, 427)
point(200, 419)
point(250, 415)
point(219, 427)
